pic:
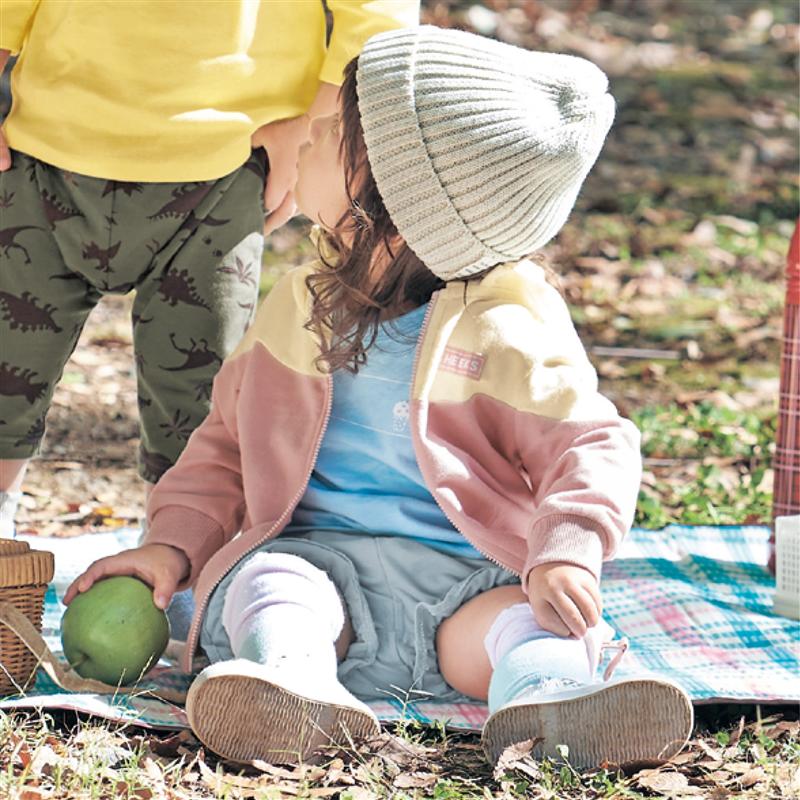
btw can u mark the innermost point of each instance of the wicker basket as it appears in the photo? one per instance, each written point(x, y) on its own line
point(24, 575)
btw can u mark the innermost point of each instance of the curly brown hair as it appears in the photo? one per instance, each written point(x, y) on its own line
point(348, 302)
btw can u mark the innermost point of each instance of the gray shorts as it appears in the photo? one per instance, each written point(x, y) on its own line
point(397, 591)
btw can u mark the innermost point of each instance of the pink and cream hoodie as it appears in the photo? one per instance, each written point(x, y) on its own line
point(527, 460)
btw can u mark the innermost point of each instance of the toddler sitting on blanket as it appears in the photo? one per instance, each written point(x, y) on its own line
point(408, 477)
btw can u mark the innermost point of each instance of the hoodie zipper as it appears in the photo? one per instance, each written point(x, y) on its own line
point(191, 639)
point(415, 434)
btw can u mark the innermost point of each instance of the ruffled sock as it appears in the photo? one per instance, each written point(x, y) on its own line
point(527, 659)
point(284, 613)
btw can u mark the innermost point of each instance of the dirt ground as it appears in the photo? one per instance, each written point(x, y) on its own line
point(85, 478)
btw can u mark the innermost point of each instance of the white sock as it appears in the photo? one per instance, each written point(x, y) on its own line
point(281, 611)
point(9, 501)
point(525, 655)
point(511, 627)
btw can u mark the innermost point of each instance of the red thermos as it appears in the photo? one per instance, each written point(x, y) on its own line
point(786, 499)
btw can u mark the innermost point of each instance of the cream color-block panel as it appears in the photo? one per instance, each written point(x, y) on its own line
point(510, 337)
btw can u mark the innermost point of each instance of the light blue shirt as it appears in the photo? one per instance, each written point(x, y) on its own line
point(366, 477)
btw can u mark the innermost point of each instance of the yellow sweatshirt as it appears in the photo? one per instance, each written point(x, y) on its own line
point(171, 90)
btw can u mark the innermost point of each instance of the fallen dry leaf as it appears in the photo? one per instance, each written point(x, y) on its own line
point(336, 774)
point(712, 752)
point(784, 728)
point(720, 777)
point(44, 758)
point(303, 772)
point(153, 770)
point(402, 752)
point(169, 747)
point(517, 756)
point(738, 767)
point(752, 777)
point(129, 792)
point(19, 749)
point(222, 784)
point(415, 780)
point(686, 757)
point(31, 793)
point(361, 793)
point(668, 783)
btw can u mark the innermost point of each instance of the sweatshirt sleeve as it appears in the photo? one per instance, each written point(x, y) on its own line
point(15, 20)
point(585, 474)
point(354, 22)
point(581, 457)
point(198, 504)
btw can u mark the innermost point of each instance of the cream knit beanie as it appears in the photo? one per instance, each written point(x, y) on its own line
point(478, 148)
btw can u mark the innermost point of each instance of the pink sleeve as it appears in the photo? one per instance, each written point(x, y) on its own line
point(585, 476)
point(198, 504)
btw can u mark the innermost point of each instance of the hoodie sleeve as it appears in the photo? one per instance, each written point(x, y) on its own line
point(580, 458)
point(354, 22)
point(585, 474)
point(16, 17)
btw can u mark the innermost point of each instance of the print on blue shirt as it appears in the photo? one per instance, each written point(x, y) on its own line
point(366, 477)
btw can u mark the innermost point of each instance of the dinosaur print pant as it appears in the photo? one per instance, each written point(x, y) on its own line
point(192, 254)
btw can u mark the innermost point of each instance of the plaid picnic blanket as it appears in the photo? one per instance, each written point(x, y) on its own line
point(695, 602)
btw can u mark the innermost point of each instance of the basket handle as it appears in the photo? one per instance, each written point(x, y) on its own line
point(68, 679)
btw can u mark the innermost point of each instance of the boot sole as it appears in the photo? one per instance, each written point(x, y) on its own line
point(639, 720)
point(244, 718)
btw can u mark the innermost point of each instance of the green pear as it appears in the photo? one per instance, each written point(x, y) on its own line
point(114, 632)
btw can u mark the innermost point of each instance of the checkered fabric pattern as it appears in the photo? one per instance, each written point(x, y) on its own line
point(695, 602)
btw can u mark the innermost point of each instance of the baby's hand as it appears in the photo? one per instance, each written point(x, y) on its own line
point(565, 598)
point(161, 566)
point(282, 140)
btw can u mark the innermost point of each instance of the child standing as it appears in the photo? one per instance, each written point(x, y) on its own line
point(431, 495)
point(130, 167)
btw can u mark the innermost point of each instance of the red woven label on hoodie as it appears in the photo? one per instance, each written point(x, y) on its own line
point(463, 362)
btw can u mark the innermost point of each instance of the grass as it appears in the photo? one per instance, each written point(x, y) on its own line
point(726, 455)
point(43, 756)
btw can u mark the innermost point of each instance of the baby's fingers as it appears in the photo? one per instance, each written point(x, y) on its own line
point(82, 583)
point(164, 587)
point(281, 215)
point(547, 616)
point(593, 589)
point(72, 590)
point(570, 615)
point(102, 568)
point(587, 605)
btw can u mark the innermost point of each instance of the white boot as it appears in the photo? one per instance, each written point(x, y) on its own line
point(276, 712)
point(619, 721)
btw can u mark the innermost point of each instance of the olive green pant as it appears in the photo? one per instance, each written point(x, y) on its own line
point(192, 253)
